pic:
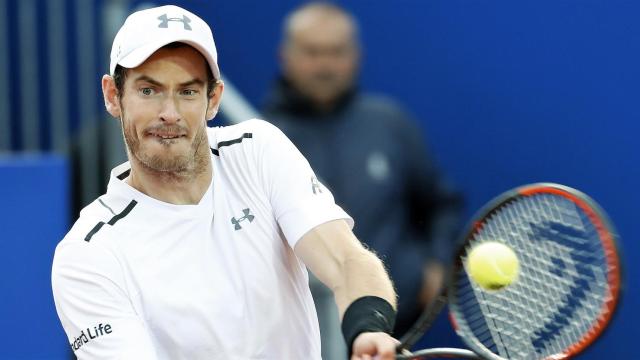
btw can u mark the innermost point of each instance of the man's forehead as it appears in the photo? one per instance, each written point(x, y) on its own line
point(319, 13)
point(178, 56)
point(322, 23)
point(146, 78)
point(324, 31)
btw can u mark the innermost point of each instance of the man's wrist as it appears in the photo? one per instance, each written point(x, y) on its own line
point(367, 314)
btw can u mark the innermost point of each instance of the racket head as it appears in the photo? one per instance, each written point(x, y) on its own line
point(569, 281)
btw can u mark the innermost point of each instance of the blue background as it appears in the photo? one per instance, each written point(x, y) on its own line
point(34, 217)
point(508, 92)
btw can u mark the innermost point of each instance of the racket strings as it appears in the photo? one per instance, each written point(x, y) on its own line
point(560, 289)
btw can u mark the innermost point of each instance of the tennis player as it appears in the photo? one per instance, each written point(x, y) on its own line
point(200, 247)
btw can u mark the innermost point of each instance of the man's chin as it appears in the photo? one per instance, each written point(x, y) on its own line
point(167, 161)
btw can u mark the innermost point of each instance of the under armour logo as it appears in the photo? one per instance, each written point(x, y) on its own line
point(315, 185)
point(247, 216)
point(165, 21)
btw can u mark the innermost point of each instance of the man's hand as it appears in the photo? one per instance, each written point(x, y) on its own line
point(374, 346)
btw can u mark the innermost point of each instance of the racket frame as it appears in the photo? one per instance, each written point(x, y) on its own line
point(607, 235)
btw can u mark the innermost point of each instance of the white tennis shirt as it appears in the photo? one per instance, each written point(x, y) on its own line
point(138, 278)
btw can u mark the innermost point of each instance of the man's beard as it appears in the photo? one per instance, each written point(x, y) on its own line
point(190, 163)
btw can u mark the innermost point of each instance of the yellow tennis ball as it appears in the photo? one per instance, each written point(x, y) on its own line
point(492, 265)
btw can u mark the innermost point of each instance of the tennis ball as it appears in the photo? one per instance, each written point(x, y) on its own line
point(492, 265)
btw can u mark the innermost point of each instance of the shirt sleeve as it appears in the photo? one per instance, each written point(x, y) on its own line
point(299, 200)
point(95, 310)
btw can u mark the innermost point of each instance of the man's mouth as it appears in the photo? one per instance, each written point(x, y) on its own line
point(165, 134)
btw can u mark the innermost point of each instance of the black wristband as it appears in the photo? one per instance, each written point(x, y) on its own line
point(367, 314)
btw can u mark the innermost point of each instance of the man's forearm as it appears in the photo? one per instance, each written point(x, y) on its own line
point(363, 275)
point(362, 289)
point(367, 302)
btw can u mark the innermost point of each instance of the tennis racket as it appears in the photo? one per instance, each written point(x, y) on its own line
point(567, 288)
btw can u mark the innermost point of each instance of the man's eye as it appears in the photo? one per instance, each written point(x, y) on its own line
point(146, 91)
point(189, 92)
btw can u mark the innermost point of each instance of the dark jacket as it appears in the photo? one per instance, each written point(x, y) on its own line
point(370, 153)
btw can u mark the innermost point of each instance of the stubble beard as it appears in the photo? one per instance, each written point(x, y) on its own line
point(189, 164)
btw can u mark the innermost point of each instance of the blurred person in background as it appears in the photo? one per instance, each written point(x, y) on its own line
point(370, 153)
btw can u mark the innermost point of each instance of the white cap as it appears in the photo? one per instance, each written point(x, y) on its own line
point(146, 31)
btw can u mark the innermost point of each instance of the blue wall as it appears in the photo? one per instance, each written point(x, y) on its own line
point(509, 92)
point(33, 219)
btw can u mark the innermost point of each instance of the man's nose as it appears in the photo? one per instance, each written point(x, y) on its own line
point(170, 113)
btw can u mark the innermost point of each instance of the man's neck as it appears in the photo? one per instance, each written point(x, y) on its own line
point(183, 188)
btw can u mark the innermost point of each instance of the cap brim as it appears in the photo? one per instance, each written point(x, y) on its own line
point(139, 55)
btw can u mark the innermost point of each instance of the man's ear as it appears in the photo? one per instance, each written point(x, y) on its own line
point(214, 100)
point(110, 94)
